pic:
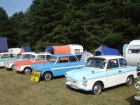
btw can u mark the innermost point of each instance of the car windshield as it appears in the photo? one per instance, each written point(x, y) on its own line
point(52, 59)
point(5, 55)
point(96, 63)
point(32, 57)
point(18, 56)
point(25, 56)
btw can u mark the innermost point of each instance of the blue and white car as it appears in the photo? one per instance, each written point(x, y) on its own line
point(101, 72)
point(58, 65)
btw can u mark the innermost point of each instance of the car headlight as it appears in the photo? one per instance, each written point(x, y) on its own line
point(84, 80)
point(137, 85)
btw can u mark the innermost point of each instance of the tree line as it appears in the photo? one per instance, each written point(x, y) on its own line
point(90, 23)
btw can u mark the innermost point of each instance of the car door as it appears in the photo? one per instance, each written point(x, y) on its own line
point(61, 66)
point(74, 63)
point(114, 73)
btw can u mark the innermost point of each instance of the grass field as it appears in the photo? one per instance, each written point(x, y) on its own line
point(17, 89)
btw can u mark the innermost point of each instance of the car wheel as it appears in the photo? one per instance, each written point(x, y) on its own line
point(129, 80)
point(13, 67)
point(27, 70)
point(97, 88)
point(47, 76)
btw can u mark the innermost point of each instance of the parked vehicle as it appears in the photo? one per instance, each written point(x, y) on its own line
point(101, 72)
point(5, 56)
point(14, 51)
point(9, 64)
point(57, 65)
point(25, 66)
point(65, 49)
point(132, 53)
point(137, 86)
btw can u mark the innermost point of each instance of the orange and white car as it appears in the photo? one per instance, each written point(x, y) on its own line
point(25, 66)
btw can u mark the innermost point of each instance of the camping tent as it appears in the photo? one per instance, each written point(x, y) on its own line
point(25, 49)
point(83, 56)
point(124, 49)
point(103, 50)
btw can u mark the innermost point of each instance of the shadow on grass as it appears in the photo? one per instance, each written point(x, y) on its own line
point(104, 90)
point(1, 67)
point(132, 101)
point(58, 77)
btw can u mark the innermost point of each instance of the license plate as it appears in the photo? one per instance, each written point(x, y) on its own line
point(35, 76)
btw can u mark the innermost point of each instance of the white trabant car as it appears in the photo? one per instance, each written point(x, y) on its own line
point(23, 56)
point(25, 66)
point(101, 72)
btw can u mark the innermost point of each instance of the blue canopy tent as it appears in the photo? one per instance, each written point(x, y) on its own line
point(103, 50)
point(25, 49)
point(49, 49)
point(3, 44)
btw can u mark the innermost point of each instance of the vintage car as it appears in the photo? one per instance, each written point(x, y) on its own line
point(5, 56)
point(57, 65)
point(25, 66)
point(9, 64)
point(137, 86)
point(101, 72)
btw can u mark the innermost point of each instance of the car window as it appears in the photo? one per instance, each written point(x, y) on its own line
point(32, 57)
point(18, 56)
point(63, 59)
point(72, 59)
point(113, 63)
point(96, 63)
point(122, 62)
point(5, 55)
point(48, 56)
point(52, 59)
point(25, 56)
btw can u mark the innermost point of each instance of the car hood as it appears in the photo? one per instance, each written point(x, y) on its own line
point(87, 72)
point(42, 65)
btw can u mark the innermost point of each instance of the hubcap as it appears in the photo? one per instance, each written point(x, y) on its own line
point(27, 71)
point(47, 76)
point(129, 81)
point(13, 67)
point(97, 89)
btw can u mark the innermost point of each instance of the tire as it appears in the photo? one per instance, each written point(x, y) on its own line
point(47, 76)
point(129, 81)
point(97, 88)
point(12, 68)
point(27, 70)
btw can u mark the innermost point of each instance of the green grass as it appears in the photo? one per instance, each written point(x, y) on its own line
point(17, 89)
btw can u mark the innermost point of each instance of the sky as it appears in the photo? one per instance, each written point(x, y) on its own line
point(13, 6)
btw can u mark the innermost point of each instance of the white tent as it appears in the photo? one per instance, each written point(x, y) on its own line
point(83, 56)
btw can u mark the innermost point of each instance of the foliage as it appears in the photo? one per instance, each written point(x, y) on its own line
point(90, 23)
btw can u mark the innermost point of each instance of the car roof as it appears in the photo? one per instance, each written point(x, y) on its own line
point(28, 53)
point(44, 53)
point(5, 53)
point(59, 55)
point(108, 57)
